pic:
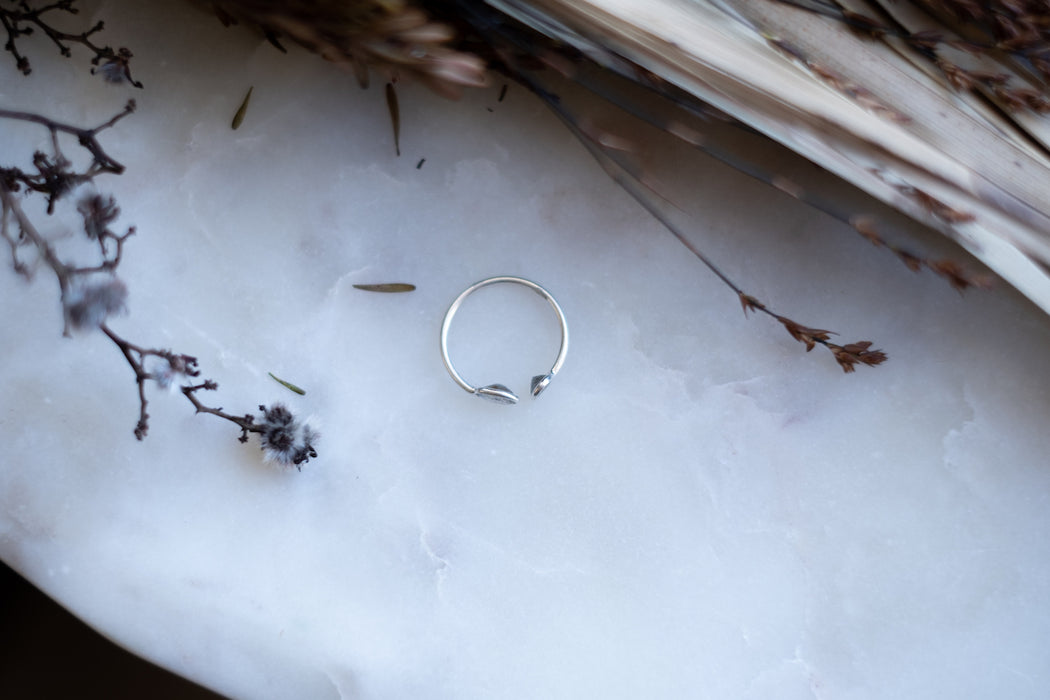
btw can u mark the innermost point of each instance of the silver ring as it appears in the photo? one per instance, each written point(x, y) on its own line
point(499, 392)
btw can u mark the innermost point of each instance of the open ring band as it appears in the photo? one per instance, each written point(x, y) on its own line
point(498, 392)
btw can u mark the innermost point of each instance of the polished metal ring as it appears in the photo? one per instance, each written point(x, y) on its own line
point(498, 392)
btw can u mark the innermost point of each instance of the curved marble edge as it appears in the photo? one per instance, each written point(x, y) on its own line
point(699, 504)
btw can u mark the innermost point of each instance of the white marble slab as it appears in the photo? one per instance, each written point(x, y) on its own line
point(695, 508)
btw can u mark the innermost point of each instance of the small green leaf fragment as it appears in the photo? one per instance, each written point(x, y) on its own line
point(388, 287)
point(239, 116)
point(287, 385)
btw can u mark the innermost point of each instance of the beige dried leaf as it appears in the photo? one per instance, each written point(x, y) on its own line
point(877, 112)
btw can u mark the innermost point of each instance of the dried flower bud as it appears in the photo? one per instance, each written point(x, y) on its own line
point(849, 355)
point(809, 336)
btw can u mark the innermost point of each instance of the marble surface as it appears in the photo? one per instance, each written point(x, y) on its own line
point(696, 507)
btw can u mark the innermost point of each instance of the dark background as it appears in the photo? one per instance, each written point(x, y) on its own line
point(45, 652)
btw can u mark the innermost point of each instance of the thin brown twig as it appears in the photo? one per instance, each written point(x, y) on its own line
point(847, 356)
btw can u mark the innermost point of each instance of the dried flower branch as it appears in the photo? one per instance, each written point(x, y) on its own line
point(92, 294)
point(20, 19)
point(283, 438)
point(174, 365)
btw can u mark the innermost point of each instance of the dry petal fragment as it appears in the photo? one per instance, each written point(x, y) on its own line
point(849, 355)
point(809, 336)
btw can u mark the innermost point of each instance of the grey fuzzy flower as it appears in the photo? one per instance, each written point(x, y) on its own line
point(88, 304)
point(112, 71)
point(115, 69)
point(284, 439)
point(98, 212)
point(167, 369)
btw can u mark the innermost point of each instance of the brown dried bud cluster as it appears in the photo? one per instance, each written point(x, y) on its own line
point(396, 37)
point(848, 356)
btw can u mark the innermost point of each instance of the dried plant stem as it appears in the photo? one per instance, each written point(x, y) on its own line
point(86, 137)
point(29, 232)
point(847, 356)
point(246, 422)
